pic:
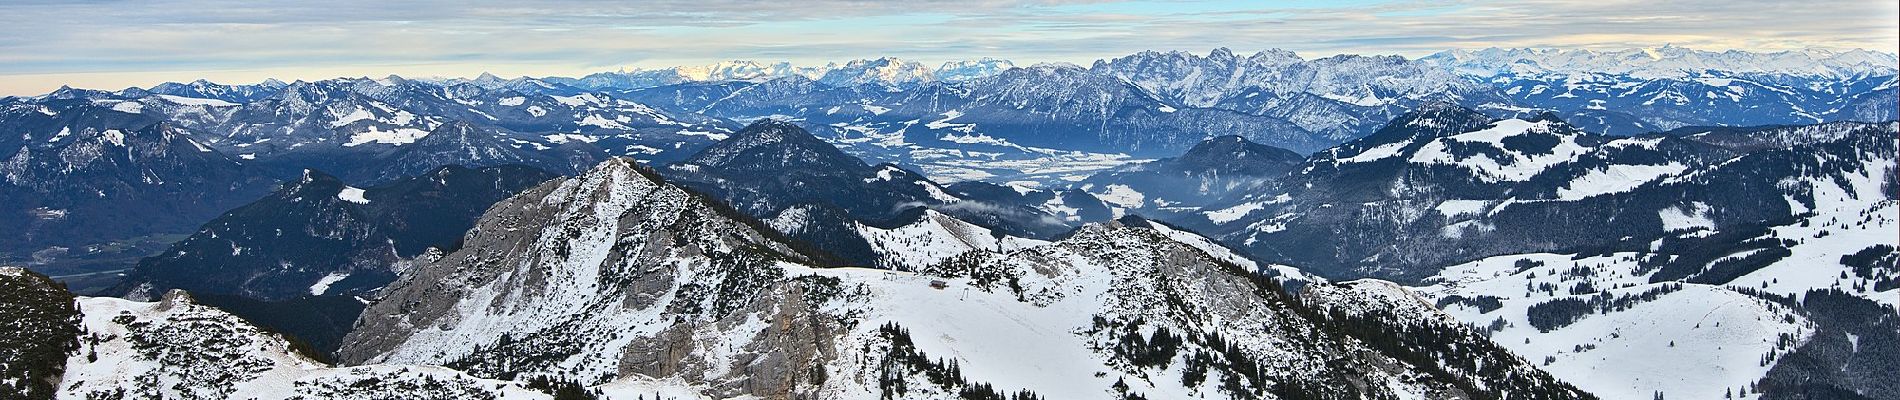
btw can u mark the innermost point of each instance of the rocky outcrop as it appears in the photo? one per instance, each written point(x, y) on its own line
point(612, 273)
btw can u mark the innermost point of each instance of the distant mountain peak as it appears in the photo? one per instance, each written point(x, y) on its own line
point(314, 182)
point(1232, 153)
point(1667, 61)
point(772, 146)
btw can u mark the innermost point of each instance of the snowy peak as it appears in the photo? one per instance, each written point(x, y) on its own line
point(613, 250)
point(1114, 276)
point(203, 89)
point(1275, 56)
point(926, 237)
point(963, 70)
point(742, 70)
point(887, 71)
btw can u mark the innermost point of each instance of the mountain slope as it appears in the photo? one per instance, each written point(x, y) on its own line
point(1416, 197)
point(548, 275)
point(466, 145)
point(39, 325)
point(96, 183)
point(1213, 170)
point(618, 275)
point(818, 194)
point(318, 236)
point(177, 348)
point(295, 260)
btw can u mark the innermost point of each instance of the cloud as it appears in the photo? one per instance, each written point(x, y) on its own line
point(114, 43)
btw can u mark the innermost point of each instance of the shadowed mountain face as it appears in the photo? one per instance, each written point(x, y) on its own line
point(317, 235)
point(297, 260)
point(101, 176)
point(1214, 170)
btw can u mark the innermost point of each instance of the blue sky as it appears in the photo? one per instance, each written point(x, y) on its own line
point(117, 43)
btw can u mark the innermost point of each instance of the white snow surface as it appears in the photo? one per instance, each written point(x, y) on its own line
point(1616, 178)
point(1691, 343)
point(323, 284)
point(1518, 167)
point(352, 194)
point(194, 101)
point(397, 136)
point(1032, 338)
point(1686, 217)
point(1230, 214)
point(1122, 195)
point(933, 238)
point(175, 348)
point(1459, 208)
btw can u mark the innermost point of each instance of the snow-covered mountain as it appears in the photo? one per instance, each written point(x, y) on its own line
point(59, 346)
point(90, 177)
point(821, 196)
point(1027, 123)
point(963, 70)
point(294, 260)
point(1751, 249)
point(208, 93)
point(889, 72)
point(617, 274)
point(1446, 184)
point(1617, 220)
point(886, 71)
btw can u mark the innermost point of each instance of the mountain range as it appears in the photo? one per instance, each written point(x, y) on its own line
point(1488, 224)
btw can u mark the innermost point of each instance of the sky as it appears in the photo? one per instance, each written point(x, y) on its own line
point(113, 44)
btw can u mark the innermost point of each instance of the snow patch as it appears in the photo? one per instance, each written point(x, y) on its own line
point(1616, 179)
point(353, 195)
point(1680, 218)
point(399, 136)
point(194, 101)
point(323, 284)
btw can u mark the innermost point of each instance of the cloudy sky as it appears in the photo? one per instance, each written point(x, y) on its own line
point(117, 43)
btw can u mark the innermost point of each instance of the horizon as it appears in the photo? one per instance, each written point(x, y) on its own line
point(184, 77)
point(143, 44)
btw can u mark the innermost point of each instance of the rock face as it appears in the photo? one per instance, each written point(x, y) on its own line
point(617, 275)
point(39, 325)
point(613, 273)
